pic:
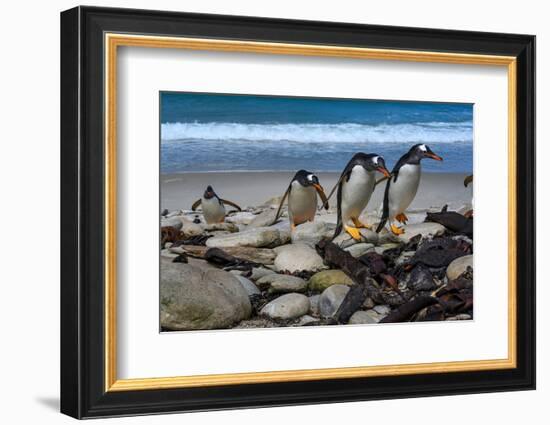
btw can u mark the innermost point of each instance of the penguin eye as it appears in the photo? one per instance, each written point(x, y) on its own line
point(310, 177)
point(423, 148)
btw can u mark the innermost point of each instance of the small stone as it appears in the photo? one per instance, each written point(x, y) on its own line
point(322, 280)
point(382, 309)
point(385, 247)
point(459, 266)
point(376, 317)
point(288, 306)
point(425, 229)
point(404, 257)
point(248, 286)
point(191, 229)
point(462, 316)
point(362, 318)
point(282, 283)
point(311, 233)
point(359, 249)
point(344, 240)
point(259, 272)
point(331, 299)
point(166, 253)
point(307, 320)
point(297, 258)
point(314, 305)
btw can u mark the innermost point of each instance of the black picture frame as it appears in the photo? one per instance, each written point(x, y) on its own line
point(83, 392)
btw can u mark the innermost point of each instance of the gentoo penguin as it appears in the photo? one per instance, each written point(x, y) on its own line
point(355, 187)
point(302, 198)
point(402, 186)
point(212, 206)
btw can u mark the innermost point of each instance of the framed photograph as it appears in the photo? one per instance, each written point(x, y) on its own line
point(261, 212)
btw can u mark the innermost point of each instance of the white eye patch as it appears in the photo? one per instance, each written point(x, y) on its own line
point(375, 159)
point(423, 148)
point(310, 177)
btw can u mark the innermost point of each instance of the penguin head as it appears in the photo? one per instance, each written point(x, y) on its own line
point(209, 193)
point(421, 151)
point(306, 178)
point(374, 162)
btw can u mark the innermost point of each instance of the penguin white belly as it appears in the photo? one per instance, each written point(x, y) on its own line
point(356, 192)
point(213, 210)
point(403, 191)
point(302, 203)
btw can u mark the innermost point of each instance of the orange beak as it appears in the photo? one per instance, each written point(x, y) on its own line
point(434, 156)
point(384, 171)
point(322, 195)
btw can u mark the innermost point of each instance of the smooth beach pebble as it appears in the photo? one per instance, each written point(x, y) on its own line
point(282, 283)
point(297, 258)
point(288, 306)
point(331, 299)
point(322, 280)
point(459, 266)
point(312, 232)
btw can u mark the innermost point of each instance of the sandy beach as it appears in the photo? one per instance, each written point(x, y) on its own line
point(179, 191)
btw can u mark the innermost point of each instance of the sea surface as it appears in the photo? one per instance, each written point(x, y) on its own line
point(213, 132)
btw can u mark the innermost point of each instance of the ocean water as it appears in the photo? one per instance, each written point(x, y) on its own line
point(213, 132)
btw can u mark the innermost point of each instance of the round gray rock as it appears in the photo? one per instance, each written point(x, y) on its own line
point(459, 266)
point(298, 257)
point(288, 306)
point(331, 298)
point(311, 233)
point(282, 283)
point(193, 298)
point(363, 318)
point(248, 285)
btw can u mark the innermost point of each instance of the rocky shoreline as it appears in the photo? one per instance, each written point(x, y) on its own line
point(251, 273)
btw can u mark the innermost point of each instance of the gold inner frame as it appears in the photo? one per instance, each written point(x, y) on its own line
point(113, 41)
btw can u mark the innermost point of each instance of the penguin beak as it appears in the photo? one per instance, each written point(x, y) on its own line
point(384, 171)
point(322, 195)
point(434, 156)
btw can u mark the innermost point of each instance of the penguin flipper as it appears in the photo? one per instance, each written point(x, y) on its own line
point(234, 205)
point(281, 205)
point(196, 204)
point(385, 209)
point(325, 203)
point(339, 224)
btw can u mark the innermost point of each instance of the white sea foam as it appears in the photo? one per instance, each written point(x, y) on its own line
point(431, 132)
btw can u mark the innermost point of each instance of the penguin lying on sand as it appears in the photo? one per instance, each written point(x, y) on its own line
point(402, 186)
point(302, 198)
point(213, 207)
point(355, 188)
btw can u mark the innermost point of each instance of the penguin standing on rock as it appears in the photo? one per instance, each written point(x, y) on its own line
point(213, 207)
point(402, 186)
point(355, 188)
point(302, 198)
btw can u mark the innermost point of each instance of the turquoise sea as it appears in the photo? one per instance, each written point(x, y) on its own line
point(218, 132)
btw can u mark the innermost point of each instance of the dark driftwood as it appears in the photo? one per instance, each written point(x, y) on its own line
point(357, 271)
point(222, 258)
point(407, 310)
point(353, 300)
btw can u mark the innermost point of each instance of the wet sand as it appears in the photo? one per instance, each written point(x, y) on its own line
point(179, 191)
